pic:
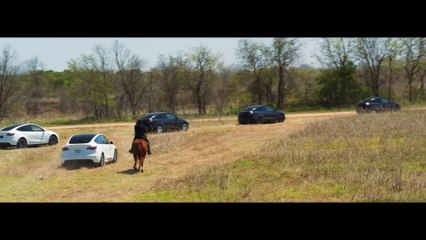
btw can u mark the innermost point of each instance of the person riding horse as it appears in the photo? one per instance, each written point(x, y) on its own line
point(140, 133)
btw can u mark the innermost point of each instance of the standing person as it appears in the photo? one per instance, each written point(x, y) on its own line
point(141, 133)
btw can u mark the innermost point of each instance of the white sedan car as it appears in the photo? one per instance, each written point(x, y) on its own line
point(89, 147)
point(23, 135)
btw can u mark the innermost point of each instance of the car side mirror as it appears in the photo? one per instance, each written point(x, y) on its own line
point(111, 142)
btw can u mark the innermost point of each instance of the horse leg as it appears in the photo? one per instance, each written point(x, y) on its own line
point(142, 159)
point(140, 165)
point(135, 158)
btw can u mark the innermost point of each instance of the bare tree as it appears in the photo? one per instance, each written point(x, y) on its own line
point(102, 65)
point(130, 75)
point(93, 72)
point(252, 57)
point(222, 88)
point(371, 53)
point(336, 52)
point(337, 84)
point(267, 84)
point(392, 48)
point(413, 52)
point(422, 79)
point(422, 47)
point(34, 86)
point(305, 84)
point(169, 68)
point(85, 86)
point(33, 67)
point(8, 77)
point(284, 52)
point(198, 74)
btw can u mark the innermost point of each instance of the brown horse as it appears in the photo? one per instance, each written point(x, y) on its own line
point(139, 149)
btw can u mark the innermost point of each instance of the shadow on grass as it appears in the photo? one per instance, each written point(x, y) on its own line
point(30, 146)
point(129, 171)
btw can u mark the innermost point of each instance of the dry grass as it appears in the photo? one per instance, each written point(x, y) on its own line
point(327, 158)
point(379, 157)
point(35, 174)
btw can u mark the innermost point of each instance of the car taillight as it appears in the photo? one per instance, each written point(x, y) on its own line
point(65, 149)
point(91, 148)
point(10, 134)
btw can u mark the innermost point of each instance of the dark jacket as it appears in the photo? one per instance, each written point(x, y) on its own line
point(140, 131)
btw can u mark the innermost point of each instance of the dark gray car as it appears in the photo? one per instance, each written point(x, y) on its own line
point(160, 122)
point(260, 114)
point(376, 104)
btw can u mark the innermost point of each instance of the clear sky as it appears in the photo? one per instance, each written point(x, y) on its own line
point(56, 52)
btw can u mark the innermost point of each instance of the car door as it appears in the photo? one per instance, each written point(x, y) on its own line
point(40, 134)
point(109, 150)
point(33, 137)
point(99, 140)
point(269, 114)
point(386, 104)
point(377, 105)
point(162, 120)
point(259, 114)
point(172, 121)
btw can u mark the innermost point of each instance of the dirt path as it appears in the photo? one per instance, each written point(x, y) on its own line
point(125, 124)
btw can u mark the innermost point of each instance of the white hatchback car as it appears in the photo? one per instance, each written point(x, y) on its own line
point(23, 135)
point(89, 147)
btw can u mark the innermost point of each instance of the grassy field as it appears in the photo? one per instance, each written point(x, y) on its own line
point(311, 157)
point(378, 157)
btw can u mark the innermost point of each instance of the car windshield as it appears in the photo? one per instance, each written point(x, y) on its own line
point(82, 138)
point(10, 127)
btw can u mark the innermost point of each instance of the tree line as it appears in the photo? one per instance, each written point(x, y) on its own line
point(114, 81)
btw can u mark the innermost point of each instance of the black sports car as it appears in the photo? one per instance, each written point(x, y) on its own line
point(260, 114)
point(160, 122)
point(376, 104)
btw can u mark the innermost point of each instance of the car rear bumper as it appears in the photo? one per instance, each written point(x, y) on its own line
point(6, 144)
point(7, 140)
point(91, 157)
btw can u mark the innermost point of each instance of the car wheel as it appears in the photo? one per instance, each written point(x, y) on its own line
point(22, 143)
point(114, 160)
point(184, 127)
point(259, 120)
point(242, 121)
point(53, 140)
point(160, 129)
point(102, 161)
